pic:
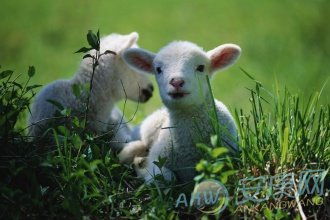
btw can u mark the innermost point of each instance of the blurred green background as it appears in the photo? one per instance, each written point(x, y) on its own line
point(286, 40)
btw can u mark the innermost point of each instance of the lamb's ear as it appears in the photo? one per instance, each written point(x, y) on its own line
point(139, 59)
point(131, 39)
point(223, 56)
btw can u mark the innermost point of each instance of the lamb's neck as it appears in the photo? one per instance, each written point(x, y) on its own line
point(191, 115)
point(195, 125)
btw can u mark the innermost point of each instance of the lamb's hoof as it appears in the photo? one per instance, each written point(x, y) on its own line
point(132, 150)
point(140, 162)
point(125, 157)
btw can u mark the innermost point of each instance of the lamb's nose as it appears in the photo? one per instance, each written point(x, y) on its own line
point(147, 94)
point(177, 82)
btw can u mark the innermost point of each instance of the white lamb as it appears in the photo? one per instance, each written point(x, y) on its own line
point(111, 78)
point(172, 132)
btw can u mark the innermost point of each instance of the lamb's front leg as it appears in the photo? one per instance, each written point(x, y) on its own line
point(143, 137)
point(131, 150)
point(148, 170)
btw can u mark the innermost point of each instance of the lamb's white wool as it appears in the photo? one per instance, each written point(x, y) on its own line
point(173, 131)
point(112, 79)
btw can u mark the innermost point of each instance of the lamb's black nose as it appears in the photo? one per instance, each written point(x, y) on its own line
point(146, 95)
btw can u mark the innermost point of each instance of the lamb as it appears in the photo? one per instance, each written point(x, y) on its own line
point(113, 81)
point(172, 132)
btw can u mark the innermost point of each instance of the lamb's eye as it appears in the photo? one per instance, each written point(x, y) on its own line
point(200, 68)
point(159, 70)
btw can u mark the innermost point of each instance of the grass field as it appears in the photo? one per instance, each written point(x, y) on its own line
point(284, 126)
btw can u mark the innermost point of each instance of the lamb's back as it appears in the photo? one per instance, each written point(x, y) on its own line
point(59, 91)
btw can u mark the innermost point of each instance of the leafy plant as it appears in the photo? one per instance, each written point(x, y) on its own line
point(94, 43)
point(15, 99)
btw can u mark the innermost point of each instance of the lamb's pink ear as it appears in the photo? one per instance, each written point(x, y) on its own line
point(223, 56)
point(139, 59)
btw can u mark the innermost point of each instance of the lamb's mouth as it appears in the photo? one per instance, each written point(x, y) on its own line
point(178, 95)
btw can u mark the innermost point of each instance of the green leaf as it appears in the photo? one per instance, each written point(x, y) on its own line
point(216, 152)
point(251, 77)
point(317, 200)
point(32, 87)
point(280, 214)
point(98, 34)
point(76, 89)
point(226, 174)
point(55, 103)
point(268, 213)
point(75, 121)
point(86, 87)
point(116, 165)
point(161, 162)
point(17, 84)
point(199, 177)
point(88, 56)
point(285, 145)
point(247, 74)
point(83, 50)
point(217, 167)
point(31, 71)
point(78, 173)
point(214, 140)
point(201, 165)
point(92, 40)
point(203, 147)
point(66, 112)
point(5, 73)
point(63, 130)
point(76, 141)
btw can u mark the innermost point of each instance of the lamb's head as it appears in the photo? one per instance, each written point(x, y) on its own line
point(137, 85)
point(181, 68)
